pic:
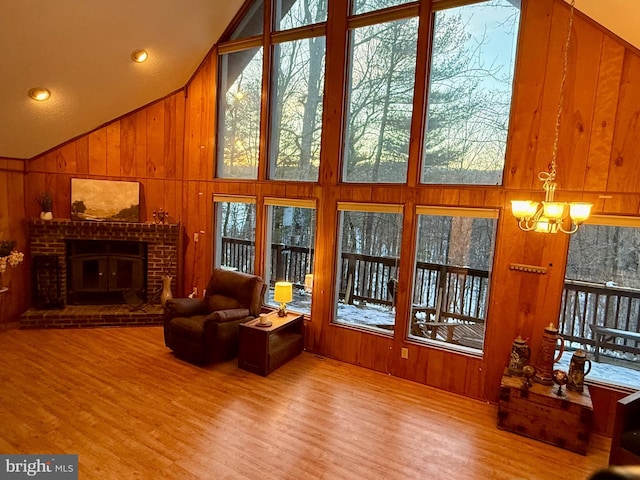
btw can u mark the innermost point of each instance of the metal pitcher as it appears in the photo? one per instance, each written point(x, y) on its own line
point(520, 353)
point(545, 359)
point(577, 371)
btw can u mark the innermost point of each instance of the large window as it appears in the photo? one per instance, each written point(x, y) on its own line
point(291, 227)
point(451, 280)
point(368, 256)
point(470, 87)
point(364, 6)
point(239, 113)
point(297, 109)
point(299, 13)
point(602, 296)
point(382, 77)
point(235, 227)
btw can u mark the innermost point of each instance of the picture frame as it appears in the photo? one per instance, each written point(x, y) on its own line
point(105, 200)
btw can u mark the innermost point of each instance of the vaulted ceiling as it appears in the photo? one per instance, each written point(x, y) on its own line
point(81, 52)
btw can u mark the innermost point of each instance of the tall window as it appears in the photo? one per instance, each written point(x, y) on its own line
point(451, 279)
point(470, 88)
point(291, 227)
point(239, 113)
point(364, 6)
point(381, 81)
point(602, 297)
point(297, 109)
point(368, 257)
point(299, 13)
point(235, 227)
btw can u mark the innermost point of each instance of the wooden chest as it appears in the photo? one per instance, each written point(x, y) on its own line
point(537, 412)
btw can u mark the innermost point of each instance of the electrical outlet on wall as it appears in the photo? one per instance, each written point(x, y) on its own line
point(404, 353)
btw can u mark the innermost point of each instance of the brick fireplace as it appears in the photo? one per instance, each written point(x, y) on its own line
point(49, 239)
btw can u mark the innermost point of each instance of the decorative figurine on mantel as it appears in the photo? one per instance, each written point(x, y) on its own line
point(160, 217)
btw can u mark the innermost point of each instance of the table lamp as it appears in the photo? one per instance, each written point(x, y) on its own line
point(283, 293)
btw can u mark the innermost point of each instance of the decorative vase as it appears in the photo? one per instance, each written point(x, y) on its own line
point(46, 215)
point(579, 367)
point(520, 354)
point(166, 290)
point(545, 359)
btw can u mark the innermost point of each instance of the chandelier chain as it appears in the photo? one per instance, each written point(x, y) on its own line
point(550, 176)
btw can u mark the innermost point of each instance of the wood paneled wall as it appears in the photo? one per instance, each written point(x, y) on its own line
point(13, 227)
point(169, 146)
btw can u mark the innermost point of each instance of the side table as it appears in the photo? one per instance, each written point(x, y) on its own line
point(537, 412)
point(263, 349)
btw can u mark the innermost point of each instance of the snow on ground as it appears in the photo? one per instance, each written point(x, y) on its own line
point(609, 370)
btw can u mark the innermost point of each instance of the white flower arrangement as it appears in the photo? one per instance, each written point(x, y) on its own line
point(13, 259)
point(9, 255)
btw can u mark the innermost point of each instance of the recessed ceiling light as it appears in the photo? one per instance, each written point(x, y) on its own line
point(39, 94)
point(139, 56)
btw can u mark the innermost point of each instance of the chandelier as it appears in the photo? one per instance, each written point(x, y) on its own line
point(551, 216)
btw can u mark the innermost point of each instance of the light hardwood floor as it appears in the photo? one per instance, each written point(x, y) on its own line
point(120, 400)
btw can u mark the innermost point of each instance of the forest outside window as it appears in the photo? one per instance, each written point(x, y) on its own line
point(469, 98)
point(235, 233)
point(291, 237)
point(601, 296)
point(239, 107)
point(368, 254)
point(296, 120)
point(454, 252)
point(381, 84)
point(364, 6)
point(299, 13)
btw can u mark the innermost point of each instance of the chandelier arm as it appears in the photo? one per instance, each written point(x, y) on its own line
point(574, 228)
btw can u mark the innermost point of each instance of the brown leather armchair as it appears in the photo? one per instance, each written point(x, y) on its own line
point(205, 330)
point(625, 441)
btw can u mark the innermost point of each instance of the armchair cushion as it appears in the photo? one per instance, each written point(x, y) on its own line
point(218, 302)
point(230, 315)
point(186, 307)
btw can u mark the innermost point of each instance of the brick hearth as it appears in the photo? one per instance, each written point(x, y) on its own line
point(48, 238)
point(75, 316)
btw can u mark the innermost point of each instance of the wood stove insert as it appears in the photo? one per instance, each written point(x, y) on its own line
point(101, 272)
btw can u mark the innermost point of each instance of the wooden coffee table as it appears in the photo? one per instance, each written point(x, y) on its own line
point(263, 349)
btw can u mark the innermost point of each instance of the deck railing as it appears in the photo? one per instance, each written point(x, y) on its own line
point(585, 304)
point(447, 292)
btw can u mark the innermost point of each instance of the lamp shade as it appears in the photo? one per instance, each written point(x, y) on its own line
point(579, 211)
point(523, 208)
point(553, 210)
point(283, 292)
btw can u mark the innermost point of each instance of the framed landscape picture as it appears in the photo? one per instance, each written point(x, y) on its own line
point(105, 200)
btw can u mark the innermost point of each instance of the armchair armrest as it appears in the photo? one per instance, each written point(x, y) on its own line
point(186, 307)
point(229, 315)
